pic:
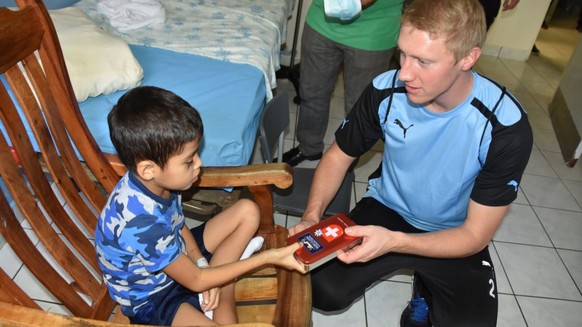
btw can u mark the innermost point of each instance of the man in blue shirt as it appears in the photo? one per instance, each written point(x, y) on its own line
point(455, 148)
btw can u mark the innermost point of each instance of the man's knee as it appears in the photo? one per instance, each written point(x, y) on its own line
point(329, 297)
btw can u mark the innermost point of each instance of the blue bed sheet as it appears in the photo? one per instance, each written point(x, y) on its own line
point(229, 97)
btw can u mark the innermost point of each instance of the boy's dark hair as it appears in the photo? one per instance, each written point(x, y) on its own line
point(150, 123)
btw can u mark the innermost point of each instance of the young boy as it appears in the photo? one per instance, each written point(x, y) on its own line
point(153, 265)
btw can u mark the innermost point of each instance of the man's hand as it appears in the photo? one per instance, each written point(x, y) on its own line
point(303, 224)
point(366, 3)
point(509, 4)
point(375, 240)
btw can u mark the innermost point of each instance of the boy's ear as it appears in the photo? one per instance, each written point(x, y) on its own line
point(145, 169)
point(470, 59)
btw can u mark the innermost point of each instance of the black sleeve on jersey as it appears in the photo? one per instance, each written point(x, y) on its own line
point(362, 129)
point(506, 160)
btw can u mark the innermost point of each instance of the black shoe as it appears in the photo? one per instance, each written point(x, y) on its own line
point(535, 51)
point(294, 157)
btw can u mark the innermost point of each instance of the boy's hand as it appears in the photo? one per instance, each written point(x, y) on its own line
point(211, 299)
point(284, 257)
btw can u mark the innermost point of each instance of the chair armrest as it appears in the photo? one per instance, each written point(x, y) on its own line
point(16, 315)
point(278, 174)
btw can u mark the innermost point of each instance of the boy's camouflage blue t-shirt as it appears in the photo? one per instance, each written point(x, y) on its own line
point(137, 235)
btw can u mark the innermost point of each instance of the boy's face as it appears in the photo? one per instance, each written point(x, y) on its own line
point(428, 69)
point(180, 172)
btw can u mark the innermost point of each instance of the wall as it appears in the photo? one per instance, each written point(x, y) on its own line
point(514, 32)
point(511, 36)
point(566, 109)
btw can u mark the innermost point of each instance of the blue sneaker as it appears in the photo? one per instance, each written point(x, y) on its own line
point(416, 312)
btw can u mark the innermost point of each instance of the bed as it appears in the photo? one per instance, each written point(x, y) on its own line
point(219, 55)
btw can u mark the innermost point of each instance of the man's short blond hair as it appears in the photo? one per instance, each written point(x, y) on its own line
point(460, 22)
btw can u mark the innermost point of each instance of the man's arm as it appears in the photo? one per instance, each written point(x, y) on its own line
point(465, 240)
point(329, 175)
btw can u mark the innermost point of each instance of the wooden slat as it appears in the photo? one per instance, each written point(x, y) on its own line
point(33, 168)
point(252, 313)
point(23, 37)
point(52, 157)
point(27, 252)
point(10, 292)
point(256, 288)
point(26, 201)
point(66, 153)
point(13, 315)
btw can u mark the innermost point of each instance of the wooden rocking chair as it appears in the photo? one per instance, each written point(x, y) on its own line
point(51, 198)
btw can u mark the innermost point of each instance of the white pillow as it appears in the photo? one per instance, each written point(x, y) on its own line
point(98, 62)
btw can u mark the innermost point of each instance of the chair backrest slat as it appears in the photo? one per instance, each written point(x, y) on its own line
point(33, 168)
point(55, 179)
point(34, 261)
point(25, 198)
point(66, 154)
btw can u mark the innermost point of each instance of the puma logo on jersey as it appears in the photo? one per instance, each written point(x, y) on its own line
point(513, 183)
point(344, 122)
point(404, 129)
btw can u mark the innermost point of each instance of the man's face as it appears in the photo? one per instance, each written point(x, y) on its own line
point(428, 70)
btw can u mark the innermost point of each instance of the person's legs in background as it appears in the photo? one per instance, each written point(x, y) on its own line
point(360, 68)
point(491, 8)
point(321, 60)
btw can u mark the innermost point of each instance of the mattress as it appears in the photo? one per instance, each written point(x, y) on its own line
point(230, 98)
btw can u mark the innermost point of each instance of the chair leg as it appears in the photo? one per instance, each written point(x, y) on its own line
point(294, 291)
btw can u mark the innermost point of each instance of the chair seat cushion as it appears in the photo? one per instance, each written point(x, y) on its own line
point(294, 198)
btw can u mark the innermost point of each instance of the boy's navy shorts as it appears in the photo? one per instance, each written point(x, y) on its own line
point(161, 307)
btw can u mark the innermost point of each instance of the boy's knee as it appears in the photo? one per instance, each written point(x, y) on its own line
point(250, 211)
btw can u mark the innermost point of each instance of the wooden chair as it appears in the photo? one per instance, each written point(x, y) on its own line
point(51, 200)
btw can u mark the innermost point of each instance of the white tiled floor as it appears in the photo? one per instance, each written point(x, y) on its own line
point(538, 249)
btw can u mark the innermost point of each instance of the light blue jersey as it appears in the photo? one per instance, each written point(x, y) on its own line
point(137, 235)
point(433, 163)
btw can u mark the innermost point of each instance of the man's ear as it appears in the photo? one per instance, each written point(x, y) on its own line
point(145, 169)
point(470, 59)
